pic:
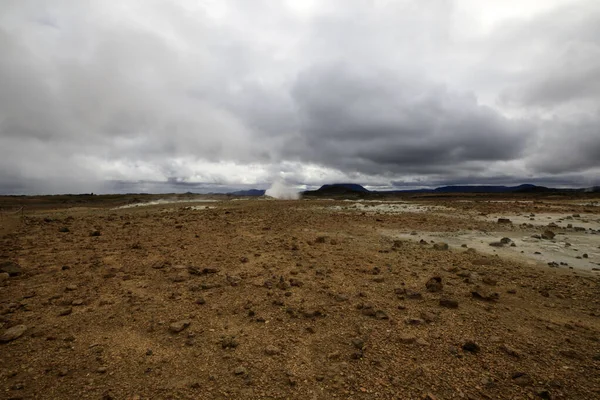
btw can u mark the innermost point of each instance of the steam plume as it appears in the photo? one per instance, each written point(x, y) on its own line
point(281, 191)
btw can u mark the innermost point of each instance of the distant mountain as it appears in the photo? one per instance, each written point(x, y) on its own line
point(338, 189)
point(353, 187)
point(251, 192)
point(355, 190)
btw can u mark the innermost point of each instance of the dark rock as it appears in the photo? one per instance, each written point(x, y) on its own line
point(572, 354)
point(13, 333)
point(482, 294)
point(65, 311)
point(504, 221)
point(505, 240)
point(511, 351)
point(440, 246)
point(471, 347)
point(272, 350)
point(449, 303)
point(229, 342)
point(434, 284)
point(497, 244)
point(201, 271)
point(544, 394)
point(358, 343)
point(380, 314)
point(410, 294)
point(548, 235)
point(161, 264)
point(428, 316)
point(11, 268)
point(179, 326)
point(64, 229)
point(489, 281)
point(407, 338)
point(240, 371)
point(95, 233)
point(522, 379)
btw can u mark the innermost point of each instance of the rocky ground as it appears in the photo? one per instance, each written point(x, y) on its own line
point(310, 299)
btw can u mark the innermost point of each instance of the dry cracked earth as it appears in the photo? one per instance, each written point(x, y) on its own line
point(308, 299)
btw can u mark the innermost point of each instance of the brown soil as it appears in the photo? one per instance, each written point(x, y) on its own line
point(286, 299)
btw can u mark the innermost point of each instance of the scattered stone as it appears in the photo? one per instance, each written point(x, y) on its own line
point(77, 302)
point(511, 351)
point(95, 233)
point(358, 343)
point(572, 354)
point(522, 379)
point(434, 284)
point(13, 333)
point(204, 271)
point(505, 240)
point(179, 326)
point(65, 311)
point(440, 246)
point(471, 347)
point(448, 303)
point(101, 370)
point(64, 229)
point(489, 281)
point(504, 221)
point(414, 321)
point(428, 316)
point(584, 255)
point(161, 264)
point(548, 235)
point(11, 268)
point(240, 370)
point(71, 288)
point(229, 342)
point(201, 301)
point(407, 338)
point(482, 294)
point(410, 294)
point(380, 314)
point(544, 395)
point(497, 244)
point(272, 350)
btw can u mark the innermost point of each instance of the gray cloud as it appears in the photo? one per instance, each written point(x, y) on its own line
point(372, 120)
point(233, 94)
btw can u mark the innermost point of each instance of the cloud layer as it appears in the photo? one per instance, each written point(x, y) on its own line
point(161, 95)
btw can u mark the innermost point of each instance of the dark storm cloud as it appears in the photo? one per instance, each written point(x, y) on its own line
point(233, 93)
point(371, 120)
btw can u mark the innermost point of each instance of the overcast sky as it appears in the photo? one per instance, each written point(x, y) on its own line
point(201, 95)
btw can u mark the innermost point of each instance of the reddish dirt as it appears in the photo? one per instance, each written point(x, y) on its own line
point(284, 299)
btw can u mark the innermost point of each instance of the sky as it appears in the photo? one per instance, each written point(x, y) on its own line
point(216, 95)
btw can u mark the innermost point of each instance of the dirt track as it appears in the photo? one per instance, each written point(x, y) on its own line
point(289, 299)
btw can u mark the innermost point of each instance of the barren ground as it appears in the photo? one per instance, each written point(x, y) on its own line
point(309, 299)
